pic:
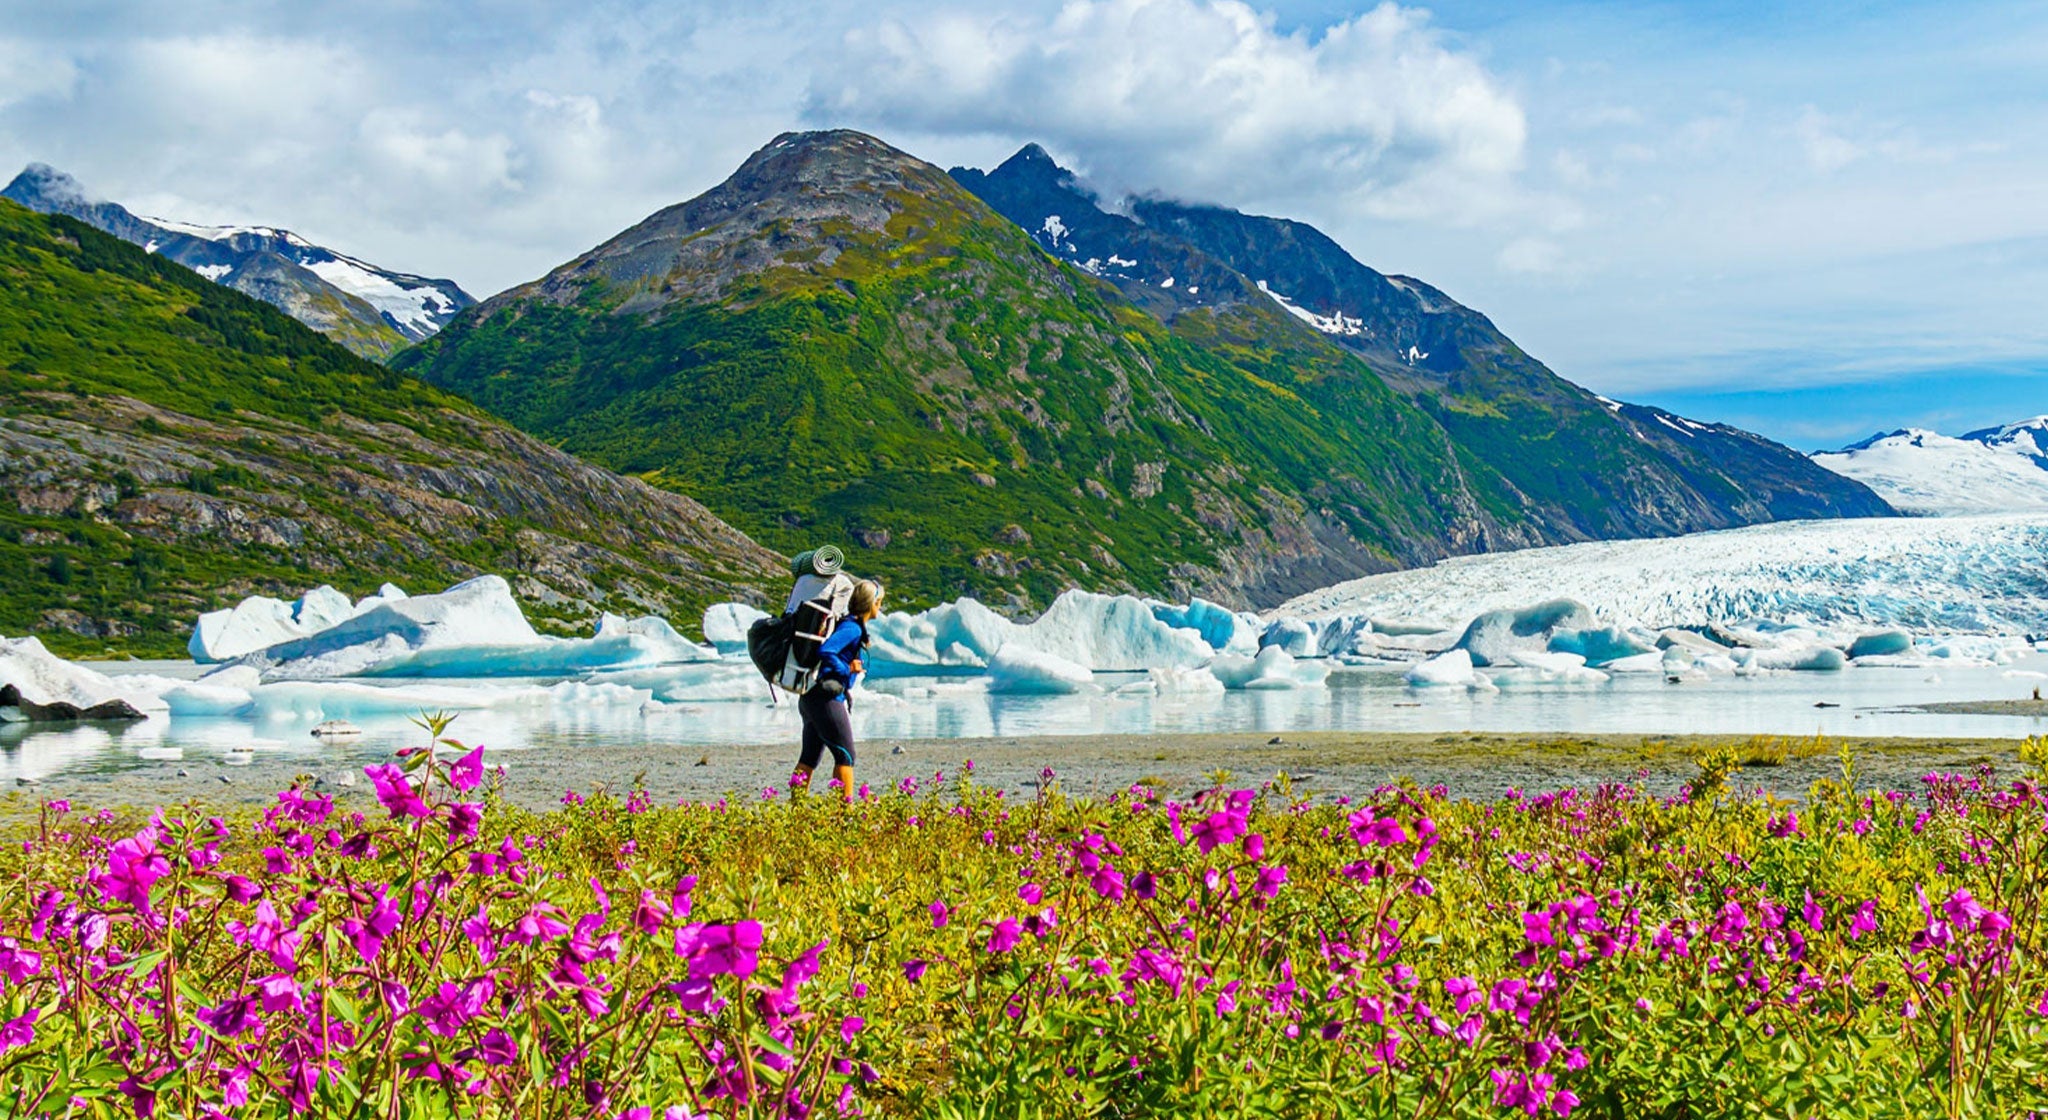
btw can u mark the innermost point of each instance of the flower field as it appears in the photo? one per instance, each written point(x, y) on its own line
point(940, 950)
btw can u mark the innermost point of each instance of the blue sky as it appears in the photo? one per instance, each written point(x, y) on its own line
point(1815, 220)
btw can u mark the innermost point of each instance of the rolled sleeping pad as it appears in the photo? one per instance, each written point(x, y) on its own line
point(827, 560)
point(800, 564)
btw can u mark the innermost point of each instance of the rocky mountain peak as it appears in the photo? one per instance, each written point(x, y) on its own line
point(1034, 168)
point(799, 204)
point(41, 181)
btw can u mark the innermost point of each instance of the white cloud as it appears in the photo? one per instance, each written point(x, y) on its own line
point(28, 72)
point(402, 149)
point(1202, 98)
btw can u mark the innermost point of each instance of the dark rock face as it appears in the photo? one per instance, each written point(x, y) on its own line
point(11, 697)
point(319, 287)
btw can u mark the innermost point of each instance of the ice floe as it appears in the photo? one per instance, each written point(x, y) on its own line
point(1016, 669)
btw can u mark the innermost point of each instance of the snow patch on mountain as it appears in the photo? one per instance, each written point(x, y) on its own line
point(418, 310)
point(1336, 323)
point(1925, 473)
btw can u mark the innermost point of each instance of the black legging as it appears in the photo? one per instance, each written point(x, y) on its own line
point(826, 727)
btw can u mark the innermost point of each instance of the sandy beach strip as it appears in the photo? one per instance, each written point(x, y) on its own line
point(1324, 764)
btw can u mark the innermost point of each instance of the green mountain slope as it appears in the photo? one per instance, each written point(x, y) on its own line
point(168, 445)
point(1581, 466)
point(842, 343)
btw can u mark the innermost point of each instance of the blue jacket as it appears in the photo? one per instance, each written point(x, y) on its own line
point(839, 649)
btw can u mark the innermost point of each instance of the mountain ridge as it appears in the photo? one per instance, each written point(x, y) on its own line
point(841, 340)
point(371, 310)
point(1447, 358)
point(169, 445)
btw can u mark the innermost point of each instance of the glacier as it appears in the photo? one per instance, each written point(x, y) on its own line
point(1983, 575)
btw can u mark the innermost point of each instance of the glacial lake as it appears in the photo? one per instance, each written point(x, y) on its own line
point(524, 714)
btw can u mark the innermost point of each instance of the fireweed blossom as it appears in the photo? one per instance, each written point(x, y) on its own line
point(807, 958)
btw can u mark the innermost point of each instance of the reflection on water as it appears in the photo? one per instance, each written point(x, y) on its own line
point(926, 708)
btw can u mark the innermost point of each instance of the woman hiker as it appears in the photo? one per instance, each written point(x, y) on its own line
point(823, 708)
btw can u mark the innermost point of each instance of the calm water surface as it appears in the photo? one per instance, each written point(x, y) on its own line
point(524, 715)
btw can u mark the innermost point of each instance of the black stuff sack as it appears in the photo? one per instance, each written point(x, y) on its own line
point(768, 641)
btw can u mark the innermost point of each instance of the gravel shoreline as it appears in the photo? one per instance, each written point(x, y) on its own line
point(1480, 766)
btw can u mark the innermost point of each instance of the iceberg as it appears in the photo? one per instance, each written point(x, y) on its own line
point(1294, 635)
point(1814, 658)
point(725, 625)
point(223, 692)
point(1450, 669)
point(386, 593)
point(39, 685)
point(703, 682)
point(1274, 669)
point(1184, 682)
point(1107, 633)
point(1016, 669)
point(1549, 669)
point(1494, 637)
point(248, 626)
point(478, 612)
point(258, 622)
point(1881, 644)
point(1601, 646)
point(1225, 630)
point(474, 629)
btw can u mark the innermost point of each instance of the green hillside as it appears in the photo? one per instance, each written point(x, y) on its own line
point(841, 343)
point(168, 445)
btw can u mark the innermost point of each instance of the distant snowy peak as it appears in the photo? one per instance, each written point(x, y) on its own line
point(371, 310)
point(2028, 438)
point(1991, 470)
point(415, 306)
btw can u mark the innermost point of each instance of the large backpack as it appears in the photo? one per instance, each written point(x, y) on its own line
point(785, 649)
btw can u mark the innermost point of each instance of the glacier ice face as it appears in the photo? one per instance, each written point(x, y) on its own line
point(725, 625)
point(42, 686)
point(1494, 637)
point(1928, 575)
point(1017, 669)
point(1110, 633)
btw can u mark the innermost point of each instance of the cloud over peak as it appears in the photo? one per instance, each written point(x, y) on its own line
point(1209, 97)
